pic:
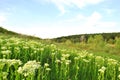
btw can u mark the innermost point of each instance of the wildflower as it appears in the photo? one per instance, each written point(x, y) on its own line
point(77, 67)
point(48, 69)
point(65, 55)
point(25, 47)
point(42, 49)
point(57, 61)
point(19, 70)
point(29, 68)
point(62, 58)
point(90, 55)
point(119, 69)
point(3, 48)
point(102, 70)
point(11, 61)
point(6, 52)
point(99, 58)
point(46, 64)
point(35, 51)
point(85, 60)
point(53, 54)
point(76, 58)
point(112, 62)
point(4, 75)
point(119, 76)
point(67, 62)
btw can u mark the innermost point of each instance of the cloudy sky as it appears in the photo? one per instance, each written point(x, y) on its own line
point(54, 18)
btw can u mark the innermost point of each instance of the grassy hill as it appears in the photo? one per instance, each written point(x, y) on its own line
point(4, 31)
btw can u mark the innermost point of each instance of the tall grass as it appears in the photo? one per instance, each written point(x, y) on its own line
point(32, 60)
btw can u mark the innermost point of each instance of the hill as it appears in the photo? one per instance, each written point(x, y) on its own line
point(4, 31)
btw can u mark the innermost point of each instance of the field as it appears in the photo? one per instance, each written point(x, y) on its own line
point(23, 59)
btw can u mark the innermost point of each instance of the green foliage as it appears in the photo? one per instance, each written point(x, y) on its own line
point(117, 43)
point(68, 42)
point(90, 40)
point(111, 41)
point(77, 38)
point(99, 41)
point(96, 42)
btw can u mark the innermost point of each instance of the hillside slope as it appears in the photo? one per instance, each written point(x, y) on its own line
point(4, 31)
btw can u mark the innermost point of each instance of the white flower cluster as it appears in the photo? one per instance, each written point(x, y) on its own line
point(64, 59)
point(99, 60)
point(10, 61)
point(6, 52)
point(65, 55)
point(112, 62)
point(29, 68)
point(83, 54)
point(4, 75)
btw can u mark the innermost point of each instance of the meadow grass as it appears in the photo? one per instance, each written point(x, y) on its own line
point(22, 59)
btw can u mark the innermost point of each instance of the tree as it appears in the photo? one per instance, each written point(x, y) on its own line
point(96, 42)
point(117, 43)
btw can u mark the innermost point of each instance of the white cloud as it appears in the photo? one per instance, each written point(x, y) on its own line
point(61, 4)
point(96, 20)
point(87, 24)
point(93, 20)
point(61, 8)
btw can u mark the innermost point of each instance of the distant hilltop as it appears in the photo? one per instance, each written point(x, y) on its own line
point(78, 38)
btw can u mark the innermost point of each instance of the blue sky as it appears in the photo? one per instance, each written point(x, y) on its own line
point(55, 18)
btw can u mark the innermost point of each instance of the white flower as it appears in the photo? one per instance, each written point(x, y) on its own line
point(3, 48)
point(48, 69)
point(4, 75)
point(119, 76)
point(57, 61)
point(85, 60)
point(65, 55)
point(62, 58)
point(6, 52)
point(53, 54)
point(76, 58)
point(119, 69)
point(46, 64)
point(102, 70)
point(19, 70)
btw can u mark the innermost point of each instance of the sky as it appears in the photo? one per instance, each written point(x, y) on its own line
point(55, 18)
